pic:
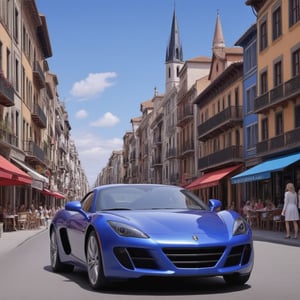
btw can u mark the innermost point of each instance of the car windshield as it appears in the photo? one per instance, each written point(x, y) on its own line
point(139, 197)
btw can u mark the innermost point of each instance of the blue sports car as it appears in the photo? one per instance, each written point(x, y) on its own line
point(123, 231)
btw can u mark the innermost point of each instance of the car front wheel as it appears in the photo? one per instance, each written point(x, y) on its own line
point(236, 279)
point(56, 264)
point(94, 263)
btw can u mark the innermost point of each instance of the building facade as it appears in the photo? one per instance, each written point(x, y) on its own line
point(34, 125)
point(277, 104)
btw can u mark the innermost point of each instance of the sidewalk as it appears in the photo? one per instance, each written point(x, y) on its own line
point(274, 237)
point(10, 240)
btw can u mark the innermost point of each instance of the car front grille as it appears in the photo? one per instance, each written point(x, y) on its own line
point(132, 258)
point(194, 257)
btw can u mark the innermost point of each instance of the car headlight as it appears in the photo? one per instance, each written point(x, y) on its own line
point(240, 226)
point(127, 230)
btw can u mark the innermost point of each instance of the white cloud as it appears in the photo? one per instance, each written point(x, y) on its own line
point(93, 85)
point(81, 114)
point(94, 153)
point(107, 120)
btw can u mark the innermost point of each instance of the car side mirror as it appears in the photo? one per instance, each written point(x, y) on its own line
point(214, 204)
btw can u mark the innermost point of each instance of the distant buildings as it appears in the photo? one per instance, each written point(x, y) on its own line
point(228, 126)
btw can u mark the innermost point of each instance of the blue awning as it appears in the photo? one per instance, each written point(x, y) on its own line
point(264, 170)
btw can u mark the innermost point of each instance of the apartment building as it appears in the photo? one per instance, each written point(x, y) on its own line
point(193, 79)
point(219, 123)
point(34, 125)
point(277, 104)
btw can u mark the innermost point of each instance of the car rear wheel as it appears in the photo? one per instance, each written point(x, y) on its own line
point(56, 264)
point(236, 279)
point(94, 263)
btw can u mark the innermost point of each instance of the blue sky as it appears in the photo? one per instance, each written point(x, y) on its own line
point(109, 55)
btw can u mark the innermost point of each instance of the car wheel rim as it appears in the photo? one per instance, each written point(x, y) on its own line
point(93, 259)
point(53, 249)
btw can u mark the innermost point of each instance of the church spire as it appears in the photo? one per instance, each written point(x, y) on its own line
point(218, 41)
point(174, 49)
point(174, 57)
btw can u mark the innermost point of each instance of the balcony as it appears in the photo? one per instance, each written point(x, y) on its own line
point(157, 140)
point(38, 75)
point(34, 153)
point(187, 148)
point(39, 117)
point(228, 118)
point(233, 154)
point(171, 153)
point(157, 162)
point(62, 146)
point(281, 143)
point(59, 124)
point(6, 92)
point(7, 137)
point(278, 95)
point(185, 115)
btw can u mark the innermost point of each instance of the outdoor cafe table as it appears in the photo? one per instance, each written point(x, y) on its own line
point(9, 222)
point(262, 213)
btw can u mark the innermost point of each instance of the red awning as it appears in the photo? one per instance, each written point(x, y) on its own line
point(211, 178)
point(11, 174)
point(54, 194)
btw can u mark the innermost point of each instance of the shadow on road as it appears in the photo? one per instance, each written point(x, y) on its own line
point(157, 286)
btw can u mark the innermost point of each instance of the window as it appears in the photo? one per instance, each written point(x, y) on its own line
point(8, 64)
point(250, 94)
point(1, 59)
point(278, 124)
point(277, 73)
point(296, 63)
point(236, 97)
point(264, 129)
point(263, 82)
point(250, 57)
point(297, 116)
point(263, 36)
point(16, 25)
point(17, 77)
point(228, 140)
point(276, 22)
point(229, 100)
point(251, 136)
point(294, 12)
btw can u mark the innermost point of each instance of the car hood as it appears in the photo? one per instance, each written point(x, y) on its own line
point(177, 223)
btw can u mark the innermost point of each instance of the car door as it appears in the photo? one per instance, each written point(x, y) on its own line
point(76, 227)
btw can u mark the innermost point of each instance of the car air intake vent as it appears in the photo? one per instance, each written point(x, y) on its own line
point(132, 258)
point(238, 255)
point(194, 257)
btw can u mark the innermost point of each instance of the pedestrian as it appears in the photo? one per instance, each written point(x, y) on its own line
point(290, 210)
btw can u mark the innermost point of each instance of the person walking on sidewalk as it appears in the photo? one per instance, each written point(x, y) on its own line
point(290, 210)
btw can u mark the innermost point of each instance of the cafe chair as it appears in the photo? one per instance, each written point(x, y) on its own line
point(266, 220)
point(22, 220)
point(253, 218)
point(278, 221)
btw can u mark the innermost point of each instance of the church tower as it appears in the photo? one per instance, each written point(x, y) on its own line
point(174, 56)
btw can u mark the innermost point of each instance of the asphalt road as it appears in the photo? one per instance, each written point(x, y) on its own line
point(25, 274)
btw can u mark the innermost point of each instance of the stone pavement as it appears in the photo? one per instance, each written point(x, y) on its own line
point(10, 240)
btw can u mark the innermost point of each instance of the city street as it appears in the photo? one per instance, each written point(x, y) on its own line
point(25, 274)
